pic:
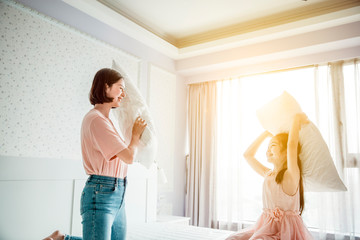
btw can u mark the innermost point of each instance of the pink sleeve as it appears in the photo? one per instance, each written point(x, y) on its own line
point(106, 139)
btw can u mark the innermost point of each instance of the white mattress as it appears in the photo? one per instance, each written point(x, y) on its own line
point(173, 231)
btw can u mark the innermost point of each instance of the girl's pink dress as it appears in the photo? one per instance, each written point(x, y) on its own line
point(280, 218)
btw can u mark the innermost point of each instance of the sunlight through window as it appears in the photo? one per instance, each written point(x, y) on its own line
point(238, 184)
point(239, 188)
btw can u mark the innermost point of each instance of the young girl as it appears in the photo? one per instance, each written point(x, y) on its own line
point(283, 194)
point(105, 158)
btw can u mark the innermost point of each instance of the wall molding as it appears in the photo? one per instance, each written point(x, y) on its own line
point(40, 169)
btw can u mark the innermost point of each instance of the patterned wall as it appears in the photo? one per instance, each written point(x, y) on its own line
point(46, 70)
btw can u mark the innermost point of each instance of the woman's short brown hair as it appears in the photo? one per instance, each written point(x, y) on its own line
point(103, 77)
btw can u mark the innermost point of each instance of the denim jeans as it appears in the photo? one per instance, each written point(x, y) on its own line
point(103, 209)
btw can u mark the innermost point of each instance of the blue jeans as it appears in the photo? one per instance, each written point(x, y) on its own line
point(103, 209)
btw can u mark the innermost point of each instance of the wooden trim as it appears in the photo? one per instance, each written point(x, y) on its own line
point(115, 7)
point(301, 13)
point(274, 20)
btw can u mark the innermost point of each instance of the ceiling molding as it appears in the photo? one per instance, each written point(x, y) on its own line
point(268, 22)
point(286, 17)
point(286, 30)
point(335, 14)
point(108, 16)
point(113, 5)
point(260, 55)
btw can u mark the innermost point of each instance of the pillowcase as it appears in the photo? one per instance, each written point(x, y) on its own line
point(276, 116)
point(319, 171)
point(132, 106)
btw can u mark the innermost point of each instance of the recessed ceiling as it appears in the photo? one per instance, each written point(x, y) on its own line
point(184, 23)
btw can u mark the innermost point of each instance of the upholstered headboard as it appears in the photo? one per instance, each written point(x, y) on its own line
point(41, 195)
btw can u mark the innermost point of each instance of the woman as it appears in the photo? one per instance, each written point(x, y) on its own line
point(283, 194)
point(105, 159)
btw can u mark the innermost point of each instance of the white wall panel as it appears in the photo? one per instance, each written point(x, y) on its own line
point(32, 168)
point(31, 209)
point(162, 102)
point(162, 105)
point(76, 226)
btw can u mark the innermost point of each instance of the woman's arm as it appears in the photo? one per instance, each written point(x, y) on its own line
point(128, 154)
point(249, 154)
point(292, 174)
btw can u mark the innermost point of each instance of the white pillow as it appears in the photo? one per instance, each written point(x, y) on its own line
point(276, 115)
point(132, 106)
point(319, 172)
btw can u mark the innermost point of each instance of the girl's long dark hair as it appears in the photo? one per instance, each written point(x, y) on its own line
point(283, 139)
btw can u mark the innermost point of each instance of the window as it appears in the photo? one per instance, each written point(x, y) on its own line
point(239, 188)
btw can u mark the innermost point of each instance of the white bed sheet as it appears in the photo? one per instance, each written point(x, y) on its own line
point(173, 231)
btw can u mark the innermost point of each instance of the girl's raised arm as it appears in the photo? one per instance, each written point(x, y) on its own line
point(249, 154)
point(292, 174)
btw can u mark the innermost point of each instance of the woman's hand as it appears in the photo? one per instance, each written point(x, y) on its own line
point(138, 128)
point(128, 154)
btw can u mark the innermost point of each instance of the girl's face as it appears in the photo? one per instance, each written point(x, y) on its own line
point(274, 154)
point(117, 92)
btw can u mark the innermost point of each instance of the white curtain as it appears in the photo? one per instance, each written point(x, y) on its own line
point(232, 192)
point(329, 95)
point(201, 165)
point(336, 215)
point(239, 187)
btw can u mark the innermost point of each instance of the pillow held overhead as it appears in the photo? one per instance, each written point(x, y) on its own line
point(319, 171)
point(132, 106)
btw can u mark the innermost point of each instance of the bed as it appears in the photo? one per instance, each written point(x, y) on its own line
point(173, 231)
point(143, 222)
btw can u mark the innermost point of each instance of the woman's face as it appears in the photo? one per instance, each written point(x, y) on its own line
point(274, 153)
point(117, 92)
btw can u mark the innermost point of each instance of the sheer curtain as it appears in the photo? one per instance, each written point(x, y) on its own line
point(336, 215)
point(231, 191)
point(239, 187)
point(201, 165)
point(329, 95)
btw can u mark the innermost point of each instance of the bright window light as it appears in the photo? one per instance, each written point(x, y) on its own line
point(239, 188)
point(239, 101)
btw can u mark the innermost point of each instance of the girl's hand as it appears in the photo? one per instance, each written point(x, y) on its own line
point(139, 127)
point(268, 134)
point(303, 119)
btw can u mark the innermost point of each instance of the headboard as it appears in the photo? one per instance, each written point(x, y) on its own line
point(40, 195)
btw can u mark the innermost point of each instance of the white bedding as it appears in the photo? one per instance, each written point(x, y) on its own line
point(173, 231)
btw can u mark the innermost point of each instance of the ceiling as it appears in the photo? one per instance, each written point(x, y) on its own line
point(183, 29)
point(184, 23)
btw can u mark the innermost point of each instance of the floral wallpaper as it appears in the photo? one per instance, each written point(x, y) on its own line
point(46, 71)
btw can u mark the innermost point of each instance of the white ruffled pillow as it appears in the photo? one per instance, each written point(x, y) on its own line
point(132, 106)
point(319, 172)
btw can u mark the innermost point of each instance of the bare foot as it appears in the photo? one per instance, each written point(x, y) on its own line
point(57, 235)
